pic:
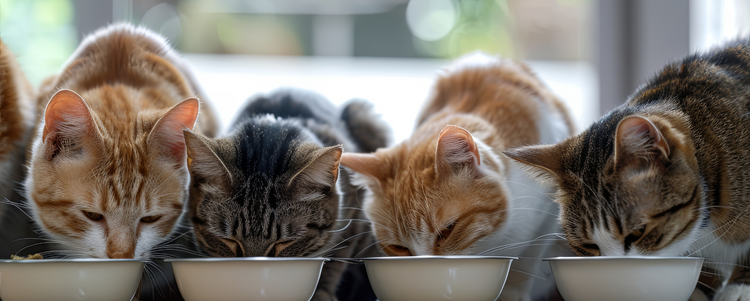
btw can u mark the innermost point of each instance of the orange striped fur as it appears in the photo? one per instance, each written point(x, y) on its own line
point(445, 190)
point(108, 174)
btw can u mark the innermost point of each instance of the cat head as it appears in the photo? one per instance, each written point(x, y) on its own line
point(433, 196)
point(267, 190)
point(106, 188)
point(629, 185)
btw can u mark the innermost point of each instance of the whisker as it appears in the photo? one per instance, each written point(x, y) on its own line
point(707, 286)
point(19, 206)
point(498, 248)
point(342, 229)
point(341, 242)
point(365, 248)
point(529, 274)
point(545, 193)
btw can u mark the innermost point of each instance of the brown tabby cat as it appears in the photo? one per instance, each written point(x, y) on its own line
point(108, 175)
point(666, 173)
point(16, 124)
point(448, 191)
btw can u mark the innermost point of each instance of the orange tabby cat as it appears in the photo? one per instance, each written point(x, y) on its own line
point(447, 190)
point(16, 124)
point(108, 175)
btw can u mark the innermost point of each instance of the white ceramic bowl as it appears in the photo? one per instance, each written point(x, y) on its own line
point(69, 279)
point(415, 278)
point(247, 278)
point(626, 278)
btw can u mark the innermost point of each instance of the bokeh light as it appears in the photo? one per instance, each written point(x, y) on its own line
point(431, 20)
point(40, 33)
point(164, 19)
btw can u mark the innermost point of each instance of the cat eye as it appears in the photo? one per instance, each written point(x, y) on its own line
point(150, 219)
point(590, 246)
point(278, 247)
point(446, 232)
point(236, 246)
point(396, 250)
point(638, 233)
point(634, 236)
point(93, 215)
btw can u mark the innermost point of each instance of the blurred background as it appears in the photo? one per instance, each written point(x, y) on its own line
point(591, 53)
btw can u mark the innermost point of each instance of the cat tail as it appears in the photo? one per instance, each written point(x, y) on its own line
point(365, 128)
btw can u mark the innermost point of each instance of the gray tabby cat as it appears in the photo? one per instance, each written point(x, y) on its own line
point(273, 187)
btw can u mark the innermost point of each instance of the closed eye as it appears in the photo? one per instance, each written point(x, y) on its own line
point(634, 237)
point(235, 246)
point(588, 250)
point(93, 215)
point(445, 233)
point(150, 219)
point(396, 250)
point(590, 246)
point(280, 246)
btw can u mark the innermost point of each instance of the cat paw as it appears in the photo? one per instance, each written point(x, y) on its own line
point(733, 292)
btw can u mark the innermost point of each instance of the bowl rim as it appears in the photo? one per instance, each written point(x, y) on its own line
point(421, 257)
point(604, 258)
point(257, 258)
point(72, 260)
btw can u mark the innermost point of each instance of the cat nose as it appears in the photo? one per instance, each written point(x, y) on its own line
point(120, 245)
point(114, 254)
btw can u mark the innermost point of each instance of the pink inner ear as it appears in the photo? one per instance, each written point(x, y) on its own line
point(633, 133)
point(167, 133)
point(456, 145)
point(66, 114)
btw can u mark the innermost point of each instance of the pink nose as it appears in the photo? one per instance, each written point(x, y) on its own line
point(120, 253)
point(120, 245)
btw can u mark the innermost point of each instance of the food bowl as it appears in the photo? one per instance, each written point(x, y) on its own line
point(69, 279)
point(415, 278)
point(247, 278)
point(626, 278)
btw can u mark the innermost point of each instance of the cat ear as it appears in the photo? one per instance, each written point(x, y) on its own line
point(540, 158)
point(323, 169)
point(167, 137)
point(456, 148)
point(67, 120)
point(203, 161)
point(638, 137)
point(367, 164)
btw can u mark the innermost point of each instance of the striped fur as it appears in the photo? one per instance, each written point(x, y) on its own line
point(447, 191)
point(273, 187)
point(107, 175)
point(665, 173)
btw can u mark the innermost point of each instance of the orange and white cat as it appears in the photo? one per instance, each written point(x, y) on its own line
point(447, 190)
point(108, 175)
